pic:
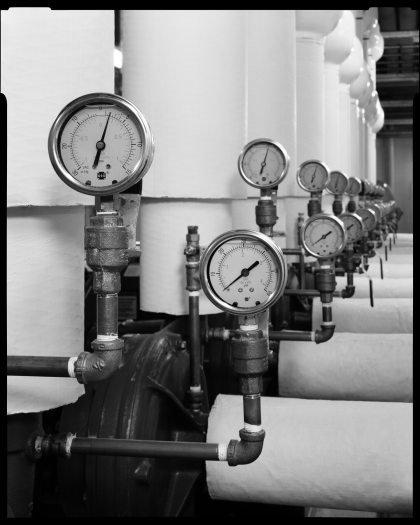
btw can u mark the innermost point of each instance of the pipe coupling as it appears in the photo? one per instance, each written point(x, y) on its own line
point(247, 450)
point(106, 358)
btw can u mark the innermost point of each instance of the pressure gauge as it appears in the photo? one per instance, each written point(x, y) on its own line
point(100, 144)
point(354, 186)
point(263, 163)
point(313, 176)
point(243, 272)
point(338, 183)
point(323, 235)
point(368, 217)
point(353, 225)
point(376, 210)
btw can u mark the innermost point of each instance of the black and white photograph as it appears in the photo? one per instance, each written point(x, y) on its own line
point(209, 262)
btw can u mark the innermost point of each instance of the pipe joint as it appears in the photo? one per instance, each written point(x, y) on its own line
point(348, 291)
point(325, 334)
point(106, 358)
point(247, 450)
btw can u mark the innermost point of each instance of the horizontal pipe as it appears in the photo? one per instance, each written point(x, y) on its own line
point(148, 326)
point(29, 365)
point(292, 251)
point(298, 291)
point(140, 448)
point(291, 335)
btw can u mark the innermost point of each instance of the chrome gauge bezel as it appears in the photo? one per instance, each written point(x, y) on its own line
point(321, 165)
point(253, 236)
point(342, 174)
point(258, 142)
point(140, 168)
point(373, 215)
point(358, 219)
point(353, 193)
point(323, 216)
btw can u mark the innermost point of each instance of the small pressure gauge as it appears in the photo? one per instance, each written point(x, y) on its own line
point(323, 235)
point(354, 226)
point(243, 272)
point(313, 176)
point(338, 183)
point(100, 144)
point(263, 163)
point(368, 217)
point(354, 186)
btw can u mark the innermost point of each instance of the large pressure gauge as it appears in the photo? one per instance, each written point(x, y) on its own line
point(338, 183)
point(263, 163)
point(243, 272)
point(323, 235)
point(100, 144)
point(368, 217)
point(313, 176)
point(354, 226)
point(354, 186)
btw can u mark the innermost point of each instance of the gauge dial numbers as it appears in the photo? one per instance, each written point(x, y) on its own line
point(368, 217)
point(354, 226)
point(353, 187)
point(263, 163)
point(323, 236)
point(313, 176)
point(243, 272)
point(338, 183)
point(100, 144)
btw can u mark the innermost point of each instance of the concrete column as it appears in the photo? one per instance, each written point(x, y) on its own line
point(311, 30)
point(338, 46)
point(270, 101)
point(349, 70)
point(185, 69)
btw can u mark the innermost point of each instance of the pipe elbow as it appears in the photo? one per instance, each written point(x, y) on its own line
point(348, 291)
point(105, 360)
point(247, 449)
point(325, 334)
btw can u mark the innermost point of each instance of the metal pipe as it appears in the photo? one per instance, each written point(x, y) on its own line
point(140, 448)
point(194, 325)
point(107, 314)
point(67, 444)
point(292, 251)
point(29, 365)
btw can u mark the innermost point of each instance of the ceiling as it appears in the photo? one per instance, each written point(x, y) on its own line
point(397, 71)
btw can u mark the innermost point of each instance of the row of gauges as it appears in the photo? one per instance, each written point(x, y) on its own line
point(263, 163)
point(101, 144)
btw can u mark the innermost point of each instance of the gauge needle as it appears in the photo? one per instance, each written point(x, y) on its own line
point(244, 273)
point(100, 145)
point(323, 237)
point(313, 175)
point(351, 226)
point(263, 163)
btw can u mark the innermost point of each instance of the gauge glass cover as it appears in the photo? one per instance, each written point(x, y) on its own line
point(368, 217)
point(353, 225)
point(323, 236)
point(263, 163)
point(100, 144)
point(353, 187)
point(313, 176)
point(243, 272)
point(338, 183)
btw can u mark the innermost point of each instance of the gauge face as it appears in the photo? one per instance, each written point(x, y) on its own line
point(353, 225)
point(313, 175)
point(368, 217)
point(263, 163)
point(354, 186)
point(243, 272)
point(338, 183)
point(376, 210)
point(100, 144)
point(323, 235)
